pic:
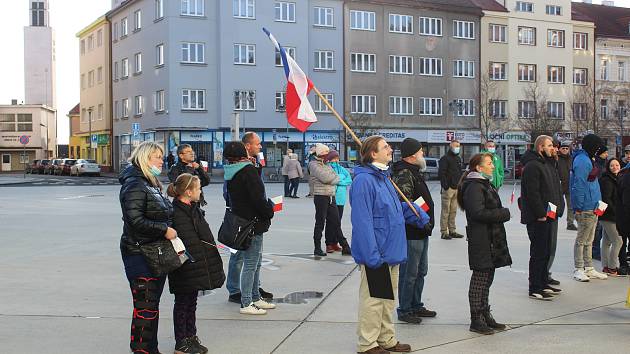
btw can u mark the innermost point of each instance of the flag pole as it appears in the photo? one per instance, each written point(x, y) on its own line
point(356, 140)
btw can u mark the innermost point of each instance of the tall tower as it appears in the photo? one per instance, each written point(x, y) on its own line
point(39, 56)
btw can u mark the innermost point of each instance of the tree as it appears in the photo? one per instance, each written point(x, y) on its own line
point(490, 121)
point(586, 117)
point(534, 117)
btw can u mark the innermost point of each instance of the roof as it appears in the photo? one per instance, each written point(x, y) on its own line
point(490, 5)
point(76, 110)
point(610, 21)
point(460, 6)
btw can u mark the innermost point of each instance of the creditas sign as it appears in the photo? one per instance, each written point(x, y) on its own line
point(446, 136)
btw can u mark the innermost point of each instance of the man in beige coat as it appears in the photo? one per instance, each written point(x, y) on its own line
point(295, 173)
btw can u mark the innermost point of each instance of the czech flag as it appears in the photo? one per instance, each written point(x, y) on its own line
point(422, 204)
point(299, 111)
point(601, 208)
point(277, 204)
point(551, 211)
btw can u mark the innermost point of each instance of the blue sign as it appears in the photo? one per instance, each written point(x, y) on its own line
point(618, 140)
point(94, 137)
point(24, 139)
point(135, 127)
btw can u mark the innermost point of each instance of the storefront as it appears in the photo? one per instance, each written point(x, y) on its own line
point(275, 146)
point(510, 146)
point(201, 143)
point(332, 139)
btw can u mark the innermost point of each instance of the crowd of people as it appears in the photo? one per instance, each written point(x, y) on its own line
point(392, 219)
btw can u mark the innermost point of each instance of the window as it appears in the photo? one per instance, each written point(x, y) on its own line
point(159, 9)
point(555, 38)
point(138, 105)
point(115, 32)
point(193, 52)
point(553, 10)
point(362, 20)
point(91, 78)
point(99, 75)
point(463, 29)
point(430, 26)
point(24, 122)
point(431, 66)
point(527, 72)
point(363, 104)
point(400, 23)
point(8, 122)
point(137, 63)
point(193, 99)
point(124, 30)
point(603, 108)
point(90, 43)
point(430, 106)
point(555, 110)
point(290, 51)
point(192, 7)
point(527, 35)
point(465, 107)
point(323, 16)
point(38, 14)
point(523, 6)
point(580, 41)
point(580, 76)
point(320, 106)
point(400, 64)
point(137, 20)
point(526, 109)
point(498, 71)
point(125, 108)
point(245, 54)
point(244, 100)
point(324, 60)
point(400, 105)
point(555, 74)
point(603, 69)
point(498, 33)
point(99, 112)
point(498, 109)
point(621, 109)
point(159, 54)
point(125, 67)
point(83, 81)
point(580, 111)
point(621, 71)
point(159, 101)
point(99, 38)
point(360, 62)
point(464, 68)
point(82, 46)
point(285, 11)
point(115, 71)
point(243, 8)
point(280, 101)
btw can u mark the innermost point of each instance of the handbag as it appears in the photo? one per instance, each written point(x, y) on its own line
point(160, 256)
point(236, 232)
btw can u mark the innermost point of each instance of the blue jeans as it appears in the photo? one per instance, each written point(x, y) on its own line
point(411, 278)
point(250, 274)
point(233, 282)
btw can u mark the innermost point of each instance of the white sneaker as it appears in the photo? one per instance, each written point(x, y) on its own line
point(262, 304)
point(579, 275)
point(593, 274)
point(252, 310)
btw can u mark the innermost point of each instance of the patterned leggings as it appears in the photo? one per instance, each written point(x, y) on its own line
point(184, 317)
point(479, 290)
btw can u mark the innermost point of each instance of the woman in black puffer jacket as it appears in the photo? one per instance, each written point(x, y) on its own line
point(487, 242)
point(206, 270)
point(611, 240)
point(147, 217)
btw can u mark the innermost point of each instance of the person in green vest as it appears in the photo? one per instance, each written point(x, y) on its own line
point(498, 175)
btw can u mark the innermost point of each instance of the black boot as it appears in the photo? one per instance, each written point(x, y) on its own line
point(345, 248)
point(318, 250)
point(478, 324)
point(490, 320)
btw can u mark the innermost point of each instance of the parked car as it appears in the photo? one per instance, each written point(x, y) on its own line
point(66, 165)
point(33, 166)
point(55, 167)
point(42, 166)
point(432, 168)
point(82, 167)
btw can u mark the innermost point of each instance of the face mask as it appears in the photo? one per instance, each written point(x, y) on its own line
point(492, 150)
point(422, 164)
point(488, 177)
point(455, 150)
point(155, 171)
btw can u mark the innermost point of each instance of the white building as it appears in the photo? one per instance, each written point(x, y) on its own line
point(39, 56)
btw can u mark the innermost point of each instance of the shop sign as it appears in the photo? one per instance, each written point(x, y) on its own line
point(103, 139)
point(509, 137)
point(446, 136)
point(393, 135)
point(281, 137)
point(201, 136)
point(317, 137)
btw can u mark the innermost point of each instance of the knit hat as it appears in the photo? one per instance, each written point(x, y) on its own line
point(591, 143)
point(565, 144)
point(409, 147)
point(321, 149)
point(333, 154)
point(602, 150)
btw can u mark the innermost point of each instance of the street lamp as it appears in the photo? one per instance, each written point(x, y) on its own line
point(45, 126)
point(90, 129)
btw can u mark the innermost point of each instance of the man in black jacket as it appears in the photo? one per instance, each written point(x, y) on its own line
point(450, 172)
point(565, 163)
point(538, 189)
point(407, 175)
point(552, 164)
point(187, 164)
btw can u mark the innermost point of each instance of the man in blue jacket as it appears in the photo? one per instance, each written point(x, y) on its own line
point(585, 196)
point(378, 239)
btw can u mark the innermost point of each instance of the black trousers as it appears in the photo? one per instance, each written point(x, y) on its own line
point(479, 290)
point(327, 215)
point(552, 245)
point(286, 185)
point(340, 236)
point(539, 248)
point(623, 252)
point(184, 315)
point(293, 187)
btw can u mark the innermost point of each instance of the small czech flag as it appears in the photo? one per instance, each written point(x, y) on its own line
point(422, 204)
point(277, 203)
point(261, 159)
point(601, 208)
point(551, 211)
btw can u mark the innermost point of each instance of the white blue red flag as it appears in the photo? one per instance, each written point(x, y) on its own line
point(299, 111)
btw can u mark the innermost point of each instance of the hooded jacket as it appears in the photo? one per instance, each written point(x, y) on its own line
point(410, 181)
point(146, 212)
point(378, 219)
point(323, 177)
point(344, 181)
point(585, 192)
point(246, 194)
point(539, 187)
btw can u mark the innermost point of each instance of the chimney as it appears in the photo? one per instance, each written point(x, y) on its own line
point(14, 102)
point(608, 3)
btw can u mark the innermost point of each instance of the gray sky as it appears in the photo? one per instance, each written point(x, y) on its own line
point(67, 17)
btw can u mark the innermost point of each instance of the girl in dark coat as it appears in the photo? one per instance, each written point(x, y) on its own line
point(487, 243)
point(203, 272)
point(611, 241)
